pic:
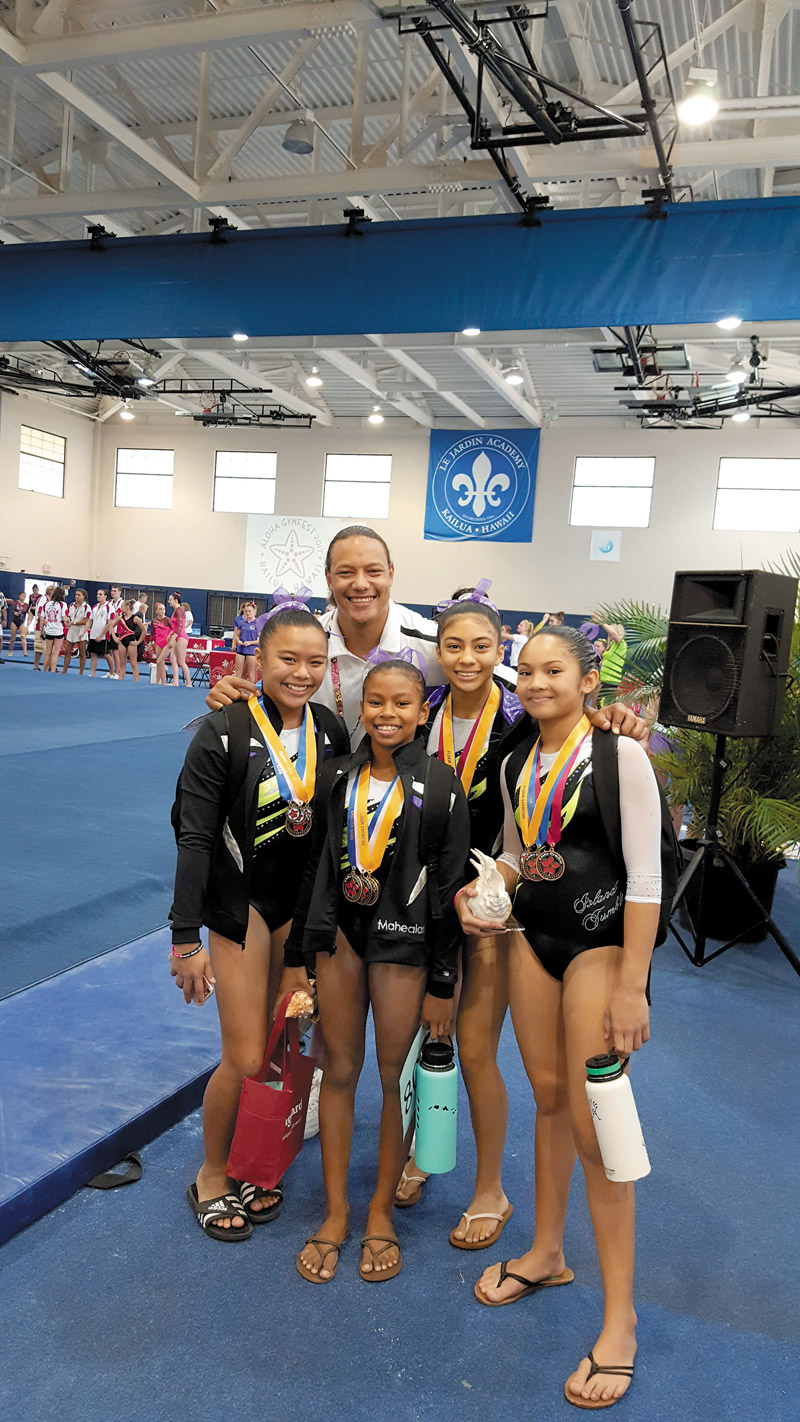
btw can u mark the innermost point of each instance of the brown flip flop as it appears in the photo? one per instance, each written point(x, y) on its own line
point(502, 1221)
point(621, 1370)
point(331, 1247)
point(531, 1286)
point(380, 1276)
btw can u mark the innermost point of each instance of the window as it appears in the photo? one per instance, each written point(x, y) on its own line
point(612, 493)
point(357, 486)
point(41, 462)
point(760, 495)
point(144, 478)
point(223, 607)
point(244, 483)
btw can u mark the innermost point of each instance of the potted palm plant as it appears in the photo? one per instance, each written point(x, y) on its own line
point(760, 810)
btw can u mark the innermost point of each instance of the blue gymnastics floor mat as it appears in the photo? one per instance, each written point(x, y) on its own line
point(97, 1061)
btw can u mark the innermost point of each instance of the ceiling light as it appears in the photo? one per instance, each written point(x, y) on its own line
point(514, 376)
point(376, 418)
point(239, 336)
point(314, 379)
point(737, 374)
point(741, 416)
point(299, 136)
point(126, 414)
point(699, 103)
point(471, 331)
point(145, 381)
point(729, 323)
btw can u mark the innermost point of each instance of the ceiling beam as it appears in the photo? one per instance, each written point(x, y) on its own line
point(195, 32)
point(403, 358)
point(221, 167)
point(256, 380)
point(738, 14)
point(492, 376)
point(371, 382)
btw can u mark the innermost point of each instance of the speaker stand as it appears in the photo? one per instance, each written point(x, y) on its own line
point(710, 849)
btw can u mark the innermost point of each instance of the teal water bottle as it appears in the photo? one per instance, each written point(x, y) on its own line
point(437, 1108)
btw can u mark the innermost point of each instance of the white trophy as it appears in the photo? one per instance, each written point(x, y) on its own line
point(491, 902)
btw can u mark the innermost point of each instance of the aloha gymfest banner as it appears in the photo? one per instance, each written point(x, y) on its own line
point(287, 552)
point(482, 486)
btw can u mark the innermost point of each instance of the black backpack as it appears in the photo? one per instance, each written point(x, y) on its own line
point(605, 771)
point(437, 789)
point(239, 728)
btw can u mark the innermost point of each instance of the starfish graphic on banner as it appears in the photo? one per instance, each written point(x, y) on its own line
point(287, 549)
point(292, 556)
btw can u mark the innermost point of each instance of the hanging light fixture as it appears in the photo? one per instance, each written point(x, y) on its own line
point(314, 379)
point(299, 136)
point(741, 416)
point(376, 418)
point(126, 414)
point(514, 376)
point(736, 373)
point(699, 103)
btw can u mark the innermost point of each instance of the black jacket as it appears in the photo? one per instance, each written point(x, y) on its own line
point(215, 849)
point(396, 919)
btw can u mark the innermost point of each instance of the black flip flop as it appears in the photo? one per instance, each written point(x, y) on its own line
point(531, 1286)
point(221, 1207)
point(248, 1193)
point(619, 1370)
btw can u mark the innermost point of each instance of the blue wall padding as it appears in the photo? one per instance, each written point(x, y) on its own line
point(579, 268)
point(96, 1062)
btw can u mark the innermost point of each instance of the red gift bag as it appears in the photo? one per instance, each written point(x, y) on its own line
point(272, 1108)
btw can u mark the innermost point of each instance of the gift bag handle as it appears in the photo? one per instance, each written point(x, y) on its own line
point(286, 1029)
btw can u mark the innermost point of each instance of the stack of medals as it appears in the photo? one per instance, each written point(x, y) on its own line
point(477, 744)
point(540, 808)
point(295, 783)
point(367, 838)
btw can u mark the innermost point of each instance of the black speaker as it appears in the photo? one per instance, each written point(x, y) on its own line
point(727, 652)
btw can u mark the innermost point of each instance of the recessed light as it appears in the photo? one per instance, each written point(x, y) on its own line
point(471, 331)
point(239, 336)
point(729, 323)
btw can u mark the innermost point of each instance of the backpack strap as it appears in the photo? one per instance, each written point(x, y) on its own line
point(238, 721)
point(331, 726)
point(437, 788)
point(605, 773)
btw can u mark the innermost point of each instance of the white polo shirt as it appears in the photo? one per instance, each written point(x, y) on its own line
point(345, 671)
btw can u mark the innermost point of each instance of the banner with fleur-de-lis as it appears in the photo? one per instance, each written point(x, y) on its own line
point(482, 485)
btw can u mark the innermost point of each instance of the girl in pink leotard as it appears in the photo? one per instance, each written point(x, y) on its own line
point(181, 617)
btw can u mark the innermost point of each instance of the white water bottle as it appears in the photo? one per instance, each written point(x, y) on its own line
point(616, 1120)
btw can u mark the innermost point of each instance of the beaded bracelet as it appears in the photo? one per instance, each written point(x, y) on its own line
point(198, 949)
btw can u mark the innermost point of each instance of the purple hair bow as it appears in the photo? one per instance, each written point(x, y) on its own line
point(407, 654)
point(283, 599)
point(478, 594)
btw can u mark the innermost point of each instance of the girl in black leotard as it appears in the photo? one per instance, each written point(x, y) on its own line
point(128, 632)
point(365, 910)
point(577, 978)
point(242, 850)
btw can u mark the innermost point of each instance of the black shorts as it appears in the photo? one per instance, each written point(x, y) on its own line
point(54, 636)
point(98, 646)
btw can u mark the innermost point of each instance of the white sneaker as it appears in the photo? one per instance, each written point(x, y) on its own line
point(112, 676)
point(312, 1117)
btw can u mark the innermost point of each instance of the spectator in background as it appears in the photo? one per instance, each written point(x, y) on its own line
point(38, 624)
point(519, 638)
point(19, 612)
point(161, 630)
point(613, 664)
point(54, 621)
point(78, 620)
point(506, 636)
point(98, 634)
point(245, 641)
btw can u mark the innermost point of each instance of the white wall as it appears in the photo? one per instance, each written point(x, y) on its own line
point(34, 528)
point(190, 545)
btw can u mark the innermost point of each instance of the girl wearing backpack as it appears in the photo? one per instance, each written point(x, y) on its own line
point(242, 815)
point(378, 913)
point(578, 978)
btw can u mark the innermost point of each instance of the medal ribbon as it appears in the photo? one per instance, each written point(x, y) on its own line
point(295, 783)
point(464, 764)
point(538, 813)
point(367, 838)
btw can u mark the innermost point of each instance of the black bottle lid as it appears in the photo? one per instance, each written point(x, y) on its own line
point(437, 1056)
point(605, 1067)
